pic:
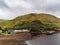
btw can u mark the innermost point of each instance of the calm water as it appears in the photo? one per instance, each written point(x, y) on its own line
point(45, 40)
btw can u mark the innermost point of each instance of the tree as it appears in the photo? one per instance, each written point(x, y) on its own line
point(49, 27)
point(0, 28)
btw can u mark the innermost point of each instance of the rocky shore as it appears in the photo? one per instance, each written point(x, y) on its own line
point(45, 32)
point(15, 39)
point(51, 32)
point(20, 38)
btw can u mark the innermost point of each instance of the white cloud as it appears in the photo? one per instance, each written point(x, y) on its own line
point(12, 8)
point(3, 14)
point(22, 3)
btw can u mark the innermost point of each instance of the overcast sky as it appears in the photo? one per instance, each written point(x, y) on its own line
point(13, 8)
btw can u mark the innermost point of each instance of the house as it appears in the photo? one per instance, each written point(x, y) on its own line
point(0, 31)
point(16, 31)
point(24, 30)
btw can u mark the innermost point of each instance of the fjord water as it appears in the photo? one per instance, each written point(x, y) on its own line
point(45, 40)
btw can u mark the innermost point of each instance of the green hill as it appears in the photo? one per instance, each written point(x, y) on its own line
point(32, 21)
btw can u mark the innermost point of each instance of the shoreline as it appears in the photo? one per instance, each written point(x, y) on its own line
point(23, 36)
point(45, 33)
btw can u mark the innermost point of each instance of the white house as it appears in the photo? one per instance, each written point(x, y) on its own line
point(0, 31)
point(15, 31)
point(24, 30)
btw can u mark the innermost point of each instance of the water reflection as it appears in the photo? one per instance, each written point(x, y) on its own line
point(45, 40)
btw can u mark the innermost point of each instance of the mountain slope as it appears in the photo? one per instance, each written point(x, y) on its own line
point(32, 20)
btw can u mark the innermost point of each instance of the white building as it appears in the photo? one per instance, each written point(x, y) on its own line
point(21, 31)
point(0, 31)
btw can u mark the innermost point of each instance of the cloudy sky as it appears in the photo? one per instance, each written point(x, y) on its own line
point(13, 8)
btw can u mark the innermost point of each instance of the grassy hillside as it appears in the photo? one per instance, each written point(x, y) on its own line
point(32, 21)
